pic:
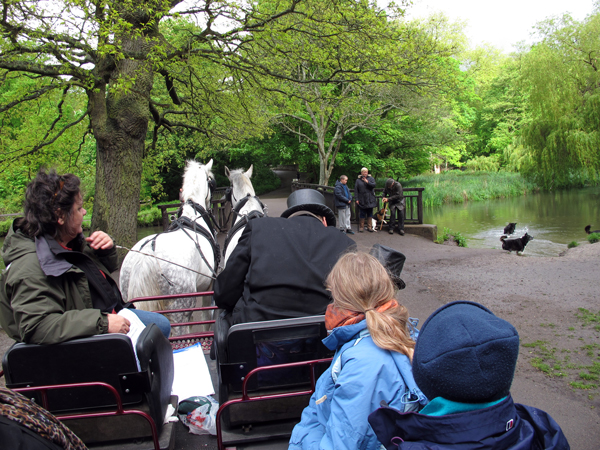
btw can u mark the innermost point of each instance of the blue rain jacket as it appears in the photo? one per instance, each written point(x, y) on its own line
point(360, 378)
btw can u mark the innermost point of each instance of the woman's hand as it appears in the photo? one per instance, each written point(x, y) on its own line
point(118, 324)
point(99, 240)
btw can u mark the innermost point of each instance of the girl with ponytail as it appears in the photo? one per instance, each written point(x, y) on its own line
point(371, 335)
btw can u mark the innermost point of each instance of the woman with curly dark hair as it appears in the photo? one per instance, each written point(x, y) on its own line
point(57, 283)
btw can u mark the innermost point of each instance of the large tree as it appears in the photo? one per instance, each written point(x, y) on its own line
point(562, 76)
point(114, 51)
point(365, 79)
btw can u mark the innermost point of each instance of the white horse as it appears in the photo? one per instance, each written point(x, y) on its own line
point(246, 206)
point(181, 260)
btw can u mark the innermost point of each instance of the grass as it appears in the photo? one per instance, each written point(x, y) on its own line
point(588, 317)
point(572, 244)
point(593, 238)
point(459, 187)
point(449, 234)
point(583, 372)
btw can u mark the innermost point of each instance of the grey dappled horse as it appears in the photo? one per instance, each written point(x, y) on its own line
point(191, 244)
point(245, 206)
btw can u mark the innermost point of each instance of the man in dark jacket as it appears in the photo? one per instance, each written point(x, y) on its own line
point(464, 362)
point(364, 192)
point(394, 196)
point(279, 265)
point(343, 199)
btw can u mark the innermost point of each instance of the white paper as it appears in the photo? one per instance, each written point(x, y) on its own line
point(192, 377)
point(135, 329)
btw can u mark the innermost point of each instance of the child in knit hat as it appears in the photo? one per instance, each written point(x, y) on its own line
point(464, 362)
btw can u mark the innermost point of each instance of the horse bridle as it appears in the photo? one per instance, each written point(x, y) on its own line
point(245, 218)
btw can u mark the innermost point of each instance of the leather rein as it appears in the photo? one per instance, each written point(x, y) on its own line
point(245, 218)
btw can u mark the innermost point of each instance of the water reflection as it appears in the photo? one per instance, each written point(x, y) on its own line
point(554, 219)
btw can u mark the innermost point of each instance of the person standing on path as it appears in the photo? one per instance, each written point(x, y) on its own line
point(393, 195)
point(364, 191)
point(343, 200)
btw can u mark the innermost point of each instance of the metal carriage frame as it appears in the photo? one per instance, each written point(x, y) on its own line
point(206, 338)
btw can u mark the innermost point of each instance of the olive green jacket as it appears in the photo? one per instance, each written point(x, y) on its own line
point(43, 298)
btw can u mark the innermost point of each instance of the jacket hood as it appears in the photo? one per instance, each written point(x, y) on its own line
point(16, 244)
point(340, 335)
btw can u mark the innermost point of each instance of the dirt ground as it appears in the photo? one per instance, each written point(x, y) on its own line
point(540, 296)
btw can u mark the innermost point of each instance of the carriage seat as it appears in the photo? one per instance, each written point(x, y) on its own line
point(106, 358)
point(243, 347)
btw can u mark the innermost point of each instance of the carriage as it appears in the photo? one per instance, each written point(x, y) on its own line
point(93, 386)
point(113, 400)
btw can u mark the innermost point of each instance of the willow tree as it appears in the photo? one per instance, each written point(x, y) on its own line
point(562, 73)
point(122, 56)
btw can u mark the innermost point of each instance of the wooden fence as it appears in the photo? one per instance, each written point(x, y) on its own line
point(414, 201)
point(221, 209)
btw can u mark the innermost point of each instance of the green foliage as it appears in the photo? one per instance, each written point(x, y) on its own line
point(483, 164)
point(563, 84)
point(149, 217)
point(5, 226)
point(593, 238)
point(451, 235)
point(458, 187)
point(572, 244)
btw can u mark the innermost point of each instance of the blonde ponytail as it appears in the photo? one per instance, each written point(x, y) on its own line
point(359, 283)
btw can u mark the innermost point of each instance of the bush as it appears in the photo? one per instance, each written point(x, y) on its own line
point(451, 235)
point(149, 217)
point(484, 164)
point(593, 238)
point(573, 244)
point(5, 226)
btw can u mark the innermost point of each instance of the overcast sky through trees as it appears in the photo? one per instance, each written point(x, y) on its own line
point(501, 23)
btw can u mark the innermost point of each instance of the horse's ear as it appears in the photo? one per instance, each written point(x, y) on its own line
point(227, 172)
point(209, 165)
point(249, 171)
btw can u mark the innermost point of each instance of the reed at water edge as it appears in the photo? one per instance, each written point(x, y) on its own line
point(459, 187)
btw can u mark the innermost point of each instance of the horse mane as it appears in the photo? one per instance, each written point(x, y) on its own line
point(241, 182)
point(195, 182)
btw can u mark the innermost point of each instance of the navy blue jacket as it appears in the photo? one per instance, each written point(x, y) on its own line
point(503, 426)
point(342, 196)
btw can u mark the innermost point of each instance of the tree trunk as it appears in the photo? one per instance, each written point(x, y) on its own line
point(119, 118)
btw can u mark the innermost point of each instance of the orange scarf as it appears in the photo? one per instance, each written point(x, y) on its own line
point(337, 317)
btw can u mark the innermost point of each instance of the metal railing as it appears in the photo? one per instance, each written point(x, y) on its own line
point(413, 214)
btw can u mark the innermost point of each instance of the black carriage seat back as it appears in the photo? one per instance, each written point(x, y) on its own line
point(259, 344)
point(105, 358)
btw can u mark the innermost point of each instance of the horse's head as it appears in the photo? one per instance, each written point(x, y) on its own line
point(196, 179)
point(240, 184)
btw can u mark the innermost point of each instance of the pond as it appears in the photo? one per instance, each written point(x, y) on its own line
point(554, 219)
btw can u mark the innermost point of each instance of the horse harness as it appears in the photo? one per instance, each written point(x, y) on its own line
point(245, 218)
point(185, 223)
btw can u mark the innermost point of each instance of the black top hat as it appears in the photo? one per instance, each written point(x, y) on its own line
point(392, 260)
point(309, 200)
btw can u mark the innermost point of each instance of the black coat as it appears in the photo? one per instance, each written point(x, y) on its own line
point(365, 193)
point(278, 268)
